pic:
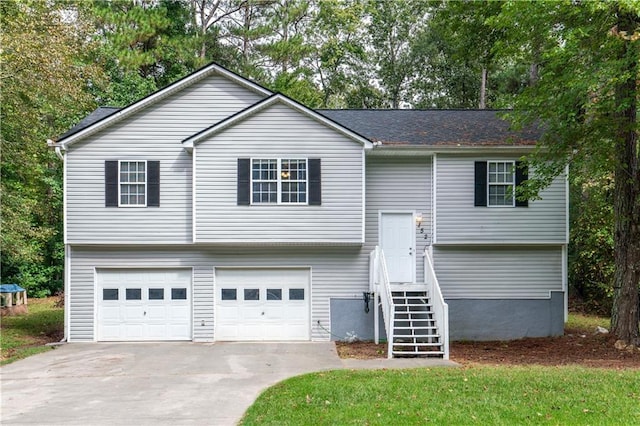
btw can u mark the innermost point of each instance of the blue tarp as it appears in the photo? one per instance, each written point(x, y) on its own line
point(10, 288)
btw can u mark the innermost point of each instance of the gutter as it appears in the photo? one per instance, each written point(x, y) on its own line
point(58, 149)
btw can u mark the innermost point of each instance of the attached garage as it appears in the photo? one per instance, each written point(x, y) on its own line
point(143, 304)
point(262, 304)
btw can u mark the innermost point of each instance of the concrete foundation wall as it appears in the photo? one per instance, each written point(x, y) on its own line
point(348, 318)
point(507, 319)
point(469, 319)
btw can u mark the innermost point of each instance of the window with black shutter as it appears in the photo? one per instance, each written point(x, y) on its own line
point(132, 183)
point(496, 183)
point(279, 181)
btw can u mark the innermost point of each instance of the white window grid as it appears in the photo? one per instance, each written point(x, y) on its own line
point(501, 183)
point(293, 181)
point(279, 181)
point(132, 183)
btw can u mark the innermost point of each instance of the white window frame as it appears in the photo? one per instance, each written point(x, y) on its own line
point(512, 184)
point(279, 181)
point(120, 183)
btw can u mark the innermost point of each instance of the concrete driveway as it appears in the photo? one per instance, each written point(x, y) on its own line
point(159, 383)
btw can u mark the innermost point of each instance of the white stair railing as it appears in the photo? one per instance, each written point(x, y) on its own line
point(440, 308)
point(381, 287)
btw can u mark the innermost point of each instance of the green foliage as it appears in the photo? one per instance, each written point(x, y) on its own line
point(585, 97)
point(393, 25)
point(26, 335)
point(482, 395)
point(591, 253)
point(581, 323)
point(45, 89)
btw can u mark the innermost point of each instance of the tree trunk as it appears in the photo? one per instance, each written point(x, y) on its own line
point(533, 74)
point(625, 316)
point(483, 89)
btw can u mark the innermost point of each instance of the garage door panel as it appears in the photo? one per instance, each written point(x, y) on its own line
point(254, 304)
point(138, 304)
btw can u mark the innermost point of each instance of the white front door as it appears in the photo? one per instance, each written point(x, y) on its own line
point(398, 242)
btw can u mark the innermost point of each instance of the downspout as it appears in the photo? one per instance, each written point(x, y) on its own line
point(67, 271)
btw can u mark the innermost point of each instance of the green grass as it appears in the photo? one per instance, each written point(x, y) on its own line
point(453, 396)
point(26, 335)
point(586, 323)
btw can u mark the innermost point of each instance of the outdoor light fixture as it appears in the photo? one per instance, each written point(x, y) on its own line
point(418, 220)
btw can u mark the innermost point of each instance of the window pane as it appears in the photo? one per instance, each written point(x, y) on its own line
point(109, 294)
point(156, 293)
point(296, 294)
point(229, 294)
point(178, 294)
point(133, 294)
point(251, 294)
point(274, 294)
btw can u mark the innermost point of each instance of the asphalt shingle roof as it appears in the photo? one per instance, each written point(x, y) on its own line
point(404, 126)
point(432, 127)
point(94, 117)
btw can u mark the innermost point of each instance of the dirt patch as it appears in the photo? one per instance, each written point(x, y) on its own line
point(574, 348)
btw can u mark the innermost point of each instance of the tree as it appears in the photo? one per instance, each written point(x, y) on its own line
point(45, 88)
point(586, 99)
point(338, 54)
point(145, 45)
point(393, 25)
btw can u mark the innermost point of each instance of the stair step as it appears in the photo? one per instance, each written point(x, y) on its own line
point(432, 327)
point(415, 336)
point(427, 353)
point(413, 315)
point(427, 305)
point(419, 344)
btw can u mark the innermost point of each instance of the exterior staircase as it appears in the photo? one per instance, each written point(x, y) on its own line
point(415, 330)
point(416, 317)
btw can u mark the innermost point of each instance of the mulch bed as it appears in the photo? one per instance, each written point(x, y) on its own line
point(574, 348)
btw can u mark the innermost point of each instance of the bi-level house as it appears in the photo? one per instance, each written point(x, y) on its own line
point(216, 210)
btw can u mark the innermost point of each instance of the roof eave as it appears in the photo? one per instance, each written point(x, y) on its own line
point(391, 150)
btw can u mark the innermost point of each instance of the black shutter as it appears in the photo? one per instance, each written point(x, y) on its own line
point(244, 181)
point(315, 182)
point(153, 184)
point(522, 174)
point(480, 199)
point(111, 184)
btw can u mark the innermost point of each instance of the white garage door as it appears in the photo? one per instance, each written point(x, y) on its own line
point(262, 304)
point(144, 304)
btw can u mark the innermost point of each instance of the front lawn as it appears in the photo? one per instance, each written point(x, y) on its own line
point(471, 395)
point(26, 335)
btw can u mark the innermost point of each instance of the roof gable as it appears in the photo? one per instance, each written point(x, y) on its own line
point(189, 142)
point(105, 116)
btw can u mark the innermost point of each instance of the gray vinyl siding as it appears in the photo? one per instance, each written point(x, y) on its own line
point(458, 221)
point(338, 272)
point(279, 132)
point(484, 272)
point(154, 133)
point(396, 184)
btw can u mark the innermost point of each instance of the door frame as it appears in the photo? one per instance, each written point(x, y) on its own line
point(413, 240)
